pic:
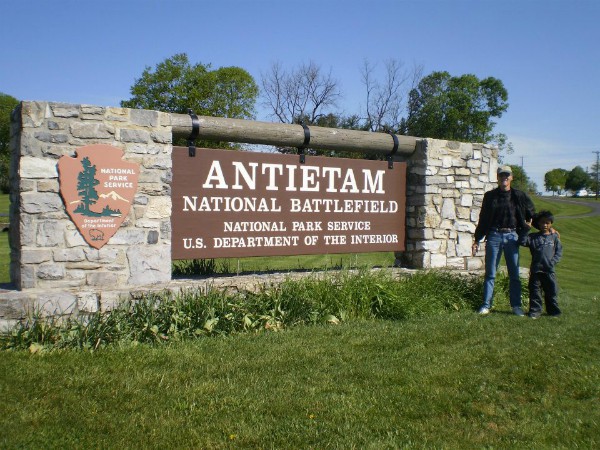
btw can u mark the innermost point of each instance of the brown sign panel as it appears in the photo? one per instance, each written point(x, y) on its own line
point(97, 187)
point(235, 204)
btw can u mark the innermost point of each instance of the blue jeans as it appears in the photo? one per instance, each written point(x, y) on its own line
point(543, 281)
point(496, 244)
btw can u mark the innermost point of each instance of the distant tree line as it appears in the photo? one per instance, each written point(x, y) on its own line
point(558, 181)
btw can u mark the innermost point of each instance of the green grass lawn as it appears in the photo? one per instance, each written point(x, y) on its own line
point(444, 381)
point(4, 203)
point(559, 208)
point(452, 380)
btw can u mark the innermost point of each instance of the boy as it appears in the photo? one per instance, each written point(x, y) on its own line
point(546, 251)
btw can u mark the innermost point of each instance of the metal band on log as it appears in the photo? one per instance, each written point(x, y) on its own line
point(287, 135)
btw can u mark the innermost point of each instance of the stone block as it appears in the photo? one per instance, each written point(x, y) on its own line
point(49, 233)
point(26, 277)
point(64, 110)
point(441, 233)
point(466, 200)
point(463, 213)
point(106, 255)
point(35, 256)
point(117, 114)
point(48, 186)
point(55, 304)
point(158, 163)
point(140, 199)
point(35, 167)
point(431, 245)
point(144, 149)
point(149, 265)
point(73, 238)
point(144, 117)
point(88, 302)
point(33, 114)
point(51, 138)
point(140, 136)
point(92, 130)
point(464, 227)
point(475, 263)
point(152, 237)
point(145, 223)
point(26, 185)
point(162, 137)
point(129, 237)
point(474, 164)
point(92, 112)
point(7, 325)
point(448, 209)
point(437, 261)
point(50, 271)
point(463, 246)
point(27, 230)
point(109, 300)
point(82, 265)
point(455, 263)
point(158, 208)
point(106, 280)
point(40, 202)
point(68, 255)
point(420, 233)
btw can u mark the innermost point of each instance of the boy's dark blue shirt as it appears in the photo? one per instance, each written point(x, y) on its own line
point(546, 251)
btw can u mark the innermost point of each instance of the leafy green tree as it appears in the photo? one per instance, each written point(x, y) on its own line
point(7, 104)
point(176, 86)
point(577, 179)
point(86, 187)
point(455, 108)
point(555, 180)
point(522, 181)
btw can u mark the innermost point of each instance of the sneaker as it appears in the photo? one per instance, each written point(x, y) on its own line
point(483, 311)
point(517, 311)
point(534, 315)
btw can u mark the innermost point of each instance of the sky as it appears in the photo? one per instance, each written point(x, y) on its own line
point(546, 53)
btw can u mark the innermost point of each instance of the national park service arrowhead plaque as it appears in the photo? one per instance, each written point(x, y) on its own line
point(97, 187)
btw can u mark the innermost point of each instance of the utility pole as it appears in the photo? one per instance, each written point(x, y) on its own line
point(597, 170)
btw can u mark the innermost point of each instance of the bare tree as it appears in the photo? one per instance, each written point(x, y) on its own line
point(386, 99)
point(305, 93)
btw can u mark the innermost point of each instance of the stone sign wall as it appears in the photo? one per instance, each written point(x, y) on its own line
point(54, 270)
point(445, 186)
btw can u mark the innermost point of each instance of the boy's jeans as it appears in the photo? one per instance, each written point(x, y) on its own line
point(497, 243)
point(545, 281)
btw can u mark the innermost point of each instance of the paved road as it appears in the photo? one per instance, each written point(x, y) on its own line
point(592, 203)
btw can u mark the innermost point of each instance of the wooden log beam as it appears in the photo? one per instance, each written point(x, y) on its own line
point(289, 135)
